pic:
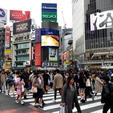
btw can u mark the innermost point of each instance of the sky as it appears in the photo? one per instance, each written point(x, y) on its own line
point(64, 7)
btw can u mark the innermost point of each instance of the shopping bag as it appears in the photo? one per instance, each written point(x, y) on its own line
point(62, 109)
point(34, 89)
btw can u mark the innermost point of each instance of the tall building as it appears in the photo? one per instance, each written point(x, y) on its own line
point(22, 44)
point(93, 32)
point(2, 42)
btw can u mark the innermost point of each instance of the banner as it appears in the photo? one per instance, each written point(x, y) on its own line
point(3, 16)
point(22, 27)
point(49, 16)
point(50, 40)
point(7, 54)
point(53, 54)
point(37, 35)
point(18, 15)
point(103, 20)
point(7, 37)
point(37, 54)
point(46, 31)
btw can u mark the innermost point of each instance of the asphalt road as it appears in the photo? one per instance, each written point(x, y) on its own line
point(8, 105)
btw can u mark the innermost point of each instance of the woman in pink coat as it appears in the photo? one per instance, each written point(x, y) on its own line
point(20, 89)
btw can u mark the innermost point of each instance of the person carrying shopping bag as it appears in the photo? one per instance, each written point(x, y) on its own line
point(69, 96)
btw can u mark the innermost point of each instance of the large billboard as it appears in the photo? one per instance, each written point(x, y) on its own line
point(18, 15)
point(49, 12)
point(103, 20)
point(50, 40)
point(3, 16)
point(37, 54)
point(53, 54)
point(22, 27)
point(7, 37)
point(50, 25)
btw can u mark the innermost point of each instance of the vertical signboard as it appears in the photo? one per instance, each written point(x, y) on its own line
point(7, 37)
point(37, 54)
point(49, 12)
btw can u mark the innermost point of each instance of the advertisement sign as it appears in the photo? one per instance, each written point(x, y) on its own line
point(7, 37)
point(101, 20)
point(49, 12)
point(7, 64)
point(45, 31)
point(3, 16)
point(50, 40)
point(22, 27)
point(49, 16)
point(37, 54)
point(53, 54)
point(50, 64)
point(18, 15)
point(49, 7)
point(8, 54)
point(37, 35)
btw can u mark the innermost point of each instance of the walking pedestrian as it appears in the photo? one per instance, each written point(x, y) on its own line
point(106, 96)
point(69, 96)
point(20, 89)
point(57, 84)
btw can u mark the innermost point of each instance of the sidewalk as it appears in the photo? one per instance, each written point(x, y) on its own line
point(8, 105)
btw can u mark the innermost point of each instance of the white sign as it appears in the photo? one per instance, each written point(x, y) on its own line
point(3, 16)
point(101, 20)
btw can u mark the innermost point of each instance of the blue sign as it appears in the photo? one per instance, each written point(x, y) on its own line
point(2, 13)
point(47, 7)
point(37, 35)
point(45, 31)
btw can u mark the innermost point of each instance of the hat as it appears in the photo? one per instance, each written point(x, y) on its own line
point(106, 78)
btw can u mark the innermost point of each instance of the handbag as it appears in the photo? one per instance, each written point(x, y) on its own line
point(34, 89)
point(63, 109)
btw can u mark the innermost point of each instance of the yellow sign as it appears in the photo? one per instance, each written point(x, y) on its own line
point(7, 65)
point(67, 63)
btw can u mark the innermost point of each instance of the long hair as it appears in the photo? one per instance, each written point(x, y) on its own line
point(68, 80)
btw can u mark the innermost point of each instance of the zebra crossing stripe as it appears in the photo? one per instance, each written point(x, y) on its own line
point(99, 111)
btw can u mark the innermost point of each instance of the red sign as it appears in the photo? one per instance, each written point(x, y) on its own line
point(7, 37)
point(38, 54)
point(19, 15)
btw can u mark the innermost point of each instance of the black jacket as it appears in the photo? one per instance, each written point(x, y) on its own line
point(106, 96)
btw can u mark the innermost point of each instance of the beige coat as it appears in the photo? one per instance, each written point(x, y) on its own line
point(3, 78)
point(98, 85)
point(37, 84)
point(58, 81)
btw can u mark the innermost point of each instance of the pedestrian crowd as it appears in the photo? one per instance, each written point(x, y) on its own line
point(70, 84)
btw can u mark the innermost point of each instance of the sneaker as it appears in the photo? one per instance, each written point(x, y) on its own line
point(41, 106)
point(17, 101)
point(54, 100)
point(22, 102)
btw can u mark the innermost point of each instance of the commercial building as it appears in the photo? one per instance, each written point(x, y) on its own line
point(93, 32)
point(22, 44)
point(2, 42)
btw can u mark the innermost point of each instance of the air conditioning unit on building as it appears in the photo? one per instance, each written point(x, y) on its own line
point(27, 63)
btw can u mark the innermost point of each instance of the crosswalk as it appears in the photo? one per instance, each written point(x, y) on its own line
point(90, 106)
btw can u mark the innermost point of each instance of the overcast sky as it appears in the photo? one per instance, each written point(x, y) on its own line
point(64, 9)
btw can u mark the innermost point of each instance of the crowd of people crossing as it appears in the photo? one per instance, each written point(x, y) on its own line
point(70, 84)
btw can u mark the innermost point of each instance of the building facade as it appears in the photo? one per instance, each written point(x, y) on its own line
point(2, 48)
point(98, 43)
